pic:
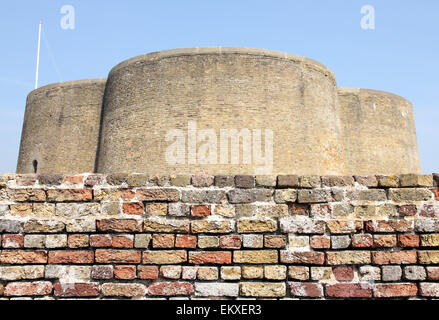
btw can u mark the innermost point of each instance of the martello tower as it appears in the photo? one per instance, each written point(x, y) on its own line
point(120, 124)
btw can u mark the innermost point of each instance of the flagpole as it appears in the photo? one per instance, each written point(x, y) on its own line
point(38, 54)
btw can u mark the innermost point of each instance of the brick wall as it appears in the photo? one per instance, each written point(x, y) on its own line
point(138, 236)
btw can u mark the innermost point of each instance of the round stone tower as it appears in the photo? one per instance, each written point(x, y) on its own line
point(217, 111)
point(61, 128)
point(379, 134)
point(181, 111)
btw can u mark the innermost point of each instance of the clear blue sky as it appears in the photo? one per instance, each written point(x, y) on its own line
point(400, 55)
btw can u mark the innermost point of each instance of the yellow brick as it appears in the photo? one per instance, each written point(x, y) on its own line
point(256, 225)
point(428, 257)
point(348, 257)
point(430, 240)
point(262, 289)
point(255, 256)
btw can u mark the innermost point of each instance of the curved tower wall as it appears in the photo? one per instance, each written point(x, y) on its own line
point(379, 134)
point(61, 128)
point(220, 88)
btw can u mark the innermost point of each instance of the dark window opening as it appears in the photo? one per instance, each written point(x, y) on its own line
point(35, 164)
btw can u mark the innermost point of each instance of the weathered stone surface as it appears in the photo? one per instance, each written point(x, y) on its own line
point(298, 257)
point(37, 288)
point(410, 194)
point(10, 226)
point(212, 226)
point(203, 196)
point(14, 273)
point(119, 225)
point(43, 226)
point(301, 224)
point(171, 289)
point(223, 181)
point(158, 194)
point(416, 180)
point(124, 289)
point(216, 289)
point(301, 289)
point(261, 210)
point(337, 181)
point(210, 257)
point(314, 196)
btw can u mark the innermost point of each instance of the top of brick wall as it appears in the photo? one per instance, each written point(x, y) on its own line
point(88, 180)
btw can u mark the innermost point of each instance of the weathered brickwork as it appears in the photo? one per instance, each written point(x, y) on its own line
point(231, 237)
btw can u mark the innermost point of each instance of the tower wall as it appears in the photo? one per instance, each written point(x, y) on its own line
point(379, 134)
point(61, 127)
point(221, 88)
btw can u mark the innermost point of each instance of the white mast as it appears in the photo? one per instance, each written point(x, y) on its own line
point(38, 54)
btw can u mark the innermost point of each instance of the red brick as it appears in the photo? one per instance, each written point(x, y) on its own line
point(115, 194)
point(73, 179)
point(343, 273)
point(320, 242)
point(12, 241)
point(362, 240)
point(100, 240)
point(63, 195)
point(77, 241)
point(275, 241)
point(102, 272)
point(37, 288)
point(407, 210)
point(349, 290)
point(171, 289)
point(184, 241)
point(26, 179)
point(122, 241)
point(94, 179)
point(384, 226)
point(124, 290)
point(299, 209)
point(384, 241)
point(395, 257)
point(207, 257)
point(119, 225)
point(133, 208)
point(304, 289)
point(428, 211)
point(230, 242)
point(395, 290)
point(71, 256)
point(117, 256)
point(148, 272)
point(76, 289)
point(200, 211)
point(408, 240)
point(125, 272)
point(436, 193)
point(162, 241)
point(433, 273)
point(297, 257)
point(23, 257)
